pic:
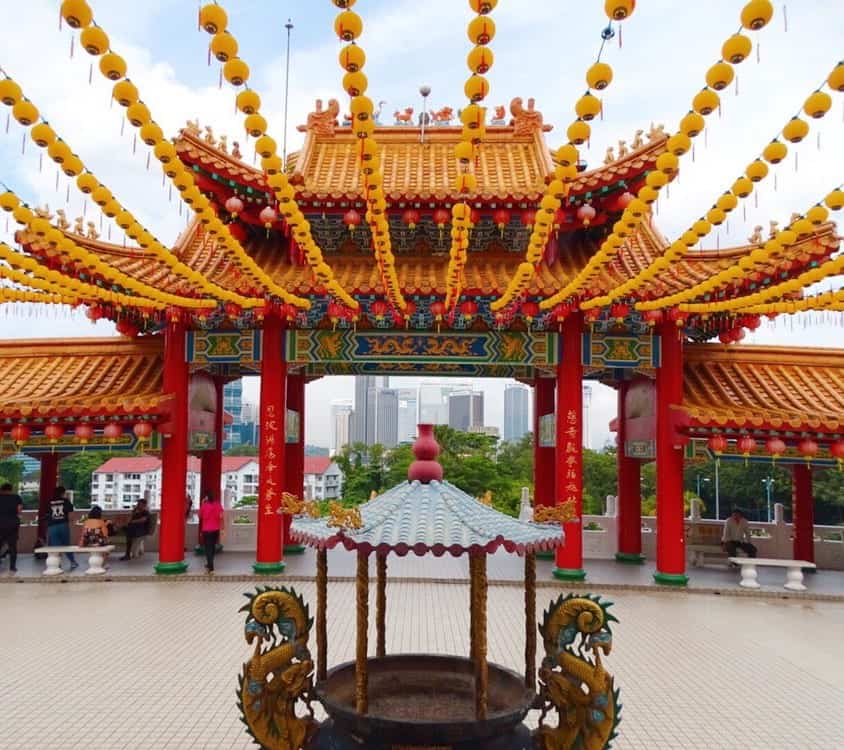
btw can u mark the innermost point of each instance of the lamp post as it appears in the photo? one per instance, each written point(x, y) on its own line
point(717, 494)
point(769, 486)
point(700, 479)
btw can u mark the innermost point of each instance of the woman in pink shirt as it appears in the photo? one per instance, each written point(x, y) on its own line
point(210, 527)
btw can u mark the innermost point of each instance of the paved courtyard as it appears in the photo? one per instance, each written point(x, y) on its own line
point(153, 664)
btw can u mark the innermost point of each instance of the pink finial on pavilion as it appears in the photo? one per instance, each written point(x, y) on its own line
point(425, 468)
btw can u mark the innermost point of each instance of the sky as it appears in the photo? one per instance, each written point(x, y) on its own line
point(542, 49)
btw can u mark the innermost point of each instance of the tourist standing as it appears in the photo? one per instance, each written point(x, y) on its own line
point(210, 526)
point(11, 506)
point(58, 524)
point(137, 527)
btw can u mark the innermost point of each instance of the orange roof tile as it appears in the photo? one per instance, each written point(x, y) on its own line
point(782, 388)
point(81, 377)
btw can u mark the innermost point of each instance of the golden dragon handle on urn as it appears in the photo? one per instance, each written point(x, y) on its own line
point(573, 680)
point(278, 676)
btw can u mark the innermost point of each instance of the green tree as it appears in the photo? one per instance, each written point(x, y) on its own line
point(75, 472)
point(600, 478)
point(11, 471)
point(244, 449)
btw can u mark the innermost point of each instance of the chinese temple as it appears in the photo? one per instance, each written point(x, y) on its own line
point(473, 245)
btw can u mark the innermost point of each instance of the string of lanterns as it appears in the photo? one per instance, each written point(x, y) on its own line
point(755, 15)
point(224, 46)
point(481, 31)
point(807, 447)
point(126, 93)
point(348, 25)
point(64, 246)
point(8, 294)
point(797, 229)
point(83, 433)
point(817, 104)
point(829, 301)
point(587, 108)
point(44, 136)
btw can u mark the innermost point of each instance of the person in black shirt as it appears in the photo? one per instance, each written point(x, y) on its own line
point(58, 523)
point(137, 527)
point(10, 506)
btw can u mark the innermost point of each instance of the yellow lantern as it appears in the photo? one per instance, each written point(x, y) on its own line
point(692, 124)
point(112, 208)
point(482, 6)
point(742, 187)
point(567, 155)
point(757, 170)
point(138, 114)
point(818, 104)
point(476, 88)
point(9, 201)
point(787, 237)
point(151, 133)
point(795, 130)
point(94, 40)
point(72, 165)
point(835, 199)
point(223, 46)
point(464, 151)
point(588, 107)
point(599, 76)
point(348, 25)
point(618, 10)
point(272, 164)
point(25, 112)
point(255, 125)
point(236, 72)
point(756, 14)
point(352, 58)
point(22, 214)
point(817, 215)
point(355, 84)
point(466, 183)
point(480, 59)
point(678, 144)
point(164, 151)
point(648, 194)
point(802, 227)
point(265, 146)
point(736, 48)
point(668, 163)
point(578, 132)
point(76, 13)
point(836, 78)
point(10, 92)
point(701, 227)
point(719, 76)
point(481, 30)
point(42, 134)
point(706, 101)
point(213, 18)
point(716, 216)
point(248, 102)
point(112, 66)
point(87, 183)
point(125, 93)
point(689, 238)
point(656, 179)
point(59, 151)
point(124, 219)
point(101, 195)
point(775, 152)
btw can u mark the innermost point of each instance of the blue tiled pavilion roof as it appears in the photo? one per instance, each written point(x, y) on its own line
point(436, 517)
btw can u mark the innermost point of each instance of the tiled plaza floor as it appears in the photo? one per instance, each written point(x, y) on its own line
point(153, 665)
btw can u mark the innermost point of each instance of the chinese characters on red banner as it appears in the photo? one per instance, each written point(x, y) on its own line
point(571, 452)
point(270, 438)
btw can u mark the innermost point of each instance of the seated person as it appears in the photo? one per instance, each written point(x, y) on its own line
point(95, 530)
point(138, 526)
point(736, 535)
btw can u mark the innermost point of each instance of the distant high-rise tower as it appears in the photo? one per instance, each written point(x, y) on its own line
point(516, 422)
point(408, 414)
point(465, 410)
point(233, 404)
point(341, 418)
point(387, 417)
point(587, 402)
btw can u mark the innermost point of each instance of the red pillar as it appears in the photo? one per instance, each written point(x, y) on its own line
point(803, 513)
point(46, 488)
point(569, 447)
point(629, 501)
point(174, 455)
point(272, 449)
point(670, 538)
point(294, 475)
point(211, 472)
point(543, 457)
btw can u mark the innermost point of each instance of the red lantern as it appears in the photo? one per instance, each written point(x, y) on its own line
point(528, 218)
point(652, 317)
point(776, 448)
point(232, 309)
point(94, 313)
point(619, 311)
point(112, 432)
point(717, 444)
point(438, 310)
point(746, 445)
point(586, 213)
point(53, 433)
point(441, 217)
point(676, 315)
point(474, 217)
point(592, 314)
point(84, 432)
point(560, 311)
point(501, 218)
point(234, 206)
point(352, 220)
point(288, 312)
point(409, 310)
point(142, 431)
point(20, 434)
point(808, 449)
point(268, 217)
point(623, 201)
point(379, 310)
point(752, 322)
point(530, 310)
point(724, 337)
point(836, 450)
point(238, 231)
point(468, 309)
point(411, 218)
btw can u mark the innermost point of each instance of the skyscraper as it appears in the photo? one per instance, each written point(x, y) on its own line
point(387, 417)
point(341, 418)
point(465, 410)
point(433, 401)
point(408, 414)
point(364, 421)
point(233, 404)
point(515, 412)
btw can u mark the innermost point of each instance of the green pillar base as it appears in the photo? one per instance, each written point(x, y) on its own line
point(294, 549)
point(545, 555)
point(265, 569)
point(671, 579)
point(171, 568)
point(629, 558)
point(570, 574)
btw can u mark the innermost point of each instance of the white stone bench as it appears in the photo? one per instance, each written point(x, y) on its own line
point(793, 573)
point(95, 561)
point(699, 553)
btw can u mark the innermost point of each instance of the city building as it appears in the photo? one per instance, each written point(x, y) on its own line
point(516, 417)
point(408, 414)
point(323, 478)
point(490, 430)
point(341, 425)
point(433, 400)
point(233, 405)
point(364, 417)
point(465, 410)
point(387, 417)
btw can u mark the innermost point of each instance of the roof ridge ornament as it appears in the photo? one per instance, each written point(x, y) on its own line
point(527, 121)
point(425, 469)
point(323, 121)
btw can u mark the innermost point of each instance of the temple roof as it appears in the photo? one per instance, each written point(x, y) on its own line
point(108, 377)
point(781, 388)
